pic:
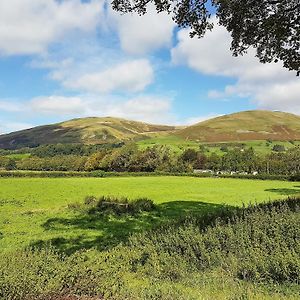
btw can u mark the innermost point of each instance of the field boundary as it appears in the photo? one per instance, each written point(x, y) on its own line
point(102, 174)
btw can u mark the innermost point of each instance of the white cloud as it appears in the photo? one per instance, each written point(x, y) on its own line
point(282, 96)
point(94, 63)
point(269, 86)
point(29, 26)
point(7, 127)
point(57, 105)
point(131, 76)
point(148, 108)
point(208, 55)
point(195, 120)
point(9, 106)
point(142, 34)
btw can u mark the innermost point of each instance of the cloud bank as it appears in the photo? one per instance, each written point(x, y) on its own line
point(30, 26)
point(269, 86)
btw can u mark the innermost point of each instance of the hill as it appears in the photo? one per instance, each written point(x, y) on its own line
point(83, 131)
point(245, 126)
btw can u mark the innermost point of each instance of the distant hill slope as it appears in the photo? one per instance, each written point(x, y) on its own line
point(85, 131)
point(242, 126)
point(245, 126)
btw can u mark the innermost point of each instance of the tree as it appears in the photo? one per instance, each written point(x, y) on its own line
point(272, 27)
point(200, 163)
point(94, 161)
point(7, 163)
point(189, 155)
point(119, 160)
point(145, 160)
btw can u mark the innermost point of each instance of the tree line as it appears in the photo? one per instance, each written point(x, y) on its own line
point(129, 158)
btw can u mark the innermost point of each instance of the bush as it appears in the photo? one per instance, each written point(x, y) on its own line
point(295, 177)
point(90, 200)
point(118, 206)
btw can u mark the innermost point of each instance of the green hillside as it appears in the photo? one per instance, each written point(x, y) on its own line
point(83, 131)
point(245, 126)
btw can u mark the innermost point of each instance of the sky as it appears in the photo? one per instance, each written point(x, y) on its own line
point(72, 58)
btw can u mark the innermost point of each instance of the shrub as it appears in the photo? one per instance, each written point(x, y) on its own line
point(278, 148)
point(257, 243)
point(224, 149)
point(90, 200)
point(118, 206)
point(295, 177)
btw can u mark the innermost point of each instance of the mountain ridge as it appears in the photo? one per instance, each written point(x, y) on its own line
point(90, 130)
point(240, 126)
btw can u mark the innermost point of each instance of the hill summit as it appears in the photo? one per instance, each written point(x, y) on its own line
point(81, 131)
point(245, 126)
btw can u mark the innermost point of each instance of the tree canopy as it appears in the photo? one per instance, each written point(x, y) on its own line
point(272, 27)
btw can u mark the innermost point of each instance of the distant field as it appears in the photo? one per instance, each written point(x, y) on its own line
point(176, 143)
point(35, 210)
point(260, 147)
point(179, 144)
point(18, 156)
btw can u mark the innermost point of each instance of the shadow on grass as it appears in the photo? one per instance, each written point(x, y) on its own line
point(103, 231)
point(285, 192)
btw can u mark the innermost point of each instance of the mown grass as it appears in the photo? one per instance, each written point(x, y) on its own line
point(35, 211)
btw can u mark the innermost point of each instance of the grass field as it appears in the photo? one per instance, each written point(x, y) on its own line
point(34, 211)
point(18, 156)
point(179, 144)
point(176, 143)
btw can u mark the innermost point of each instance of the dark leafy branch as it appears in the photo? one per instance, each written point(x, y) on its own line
point(272, 27)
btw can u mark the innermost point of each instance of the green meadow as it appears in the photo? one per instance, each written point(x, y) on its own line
point(36, 211)
point(176, 143)
point(179, 144)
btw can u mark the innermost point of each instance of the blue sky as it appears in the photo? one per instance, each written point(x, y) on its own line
point(70, 58)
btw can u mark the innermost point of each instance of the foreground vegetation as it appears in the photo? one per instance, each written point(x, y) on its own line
point(228, 253)
point(148, 237)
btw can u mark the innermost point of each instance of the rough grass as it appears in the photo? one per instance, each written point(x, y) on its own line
point(34, 211)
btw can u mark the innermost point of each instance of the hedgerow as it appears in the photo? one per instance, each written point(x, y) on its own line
point(103, 174)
